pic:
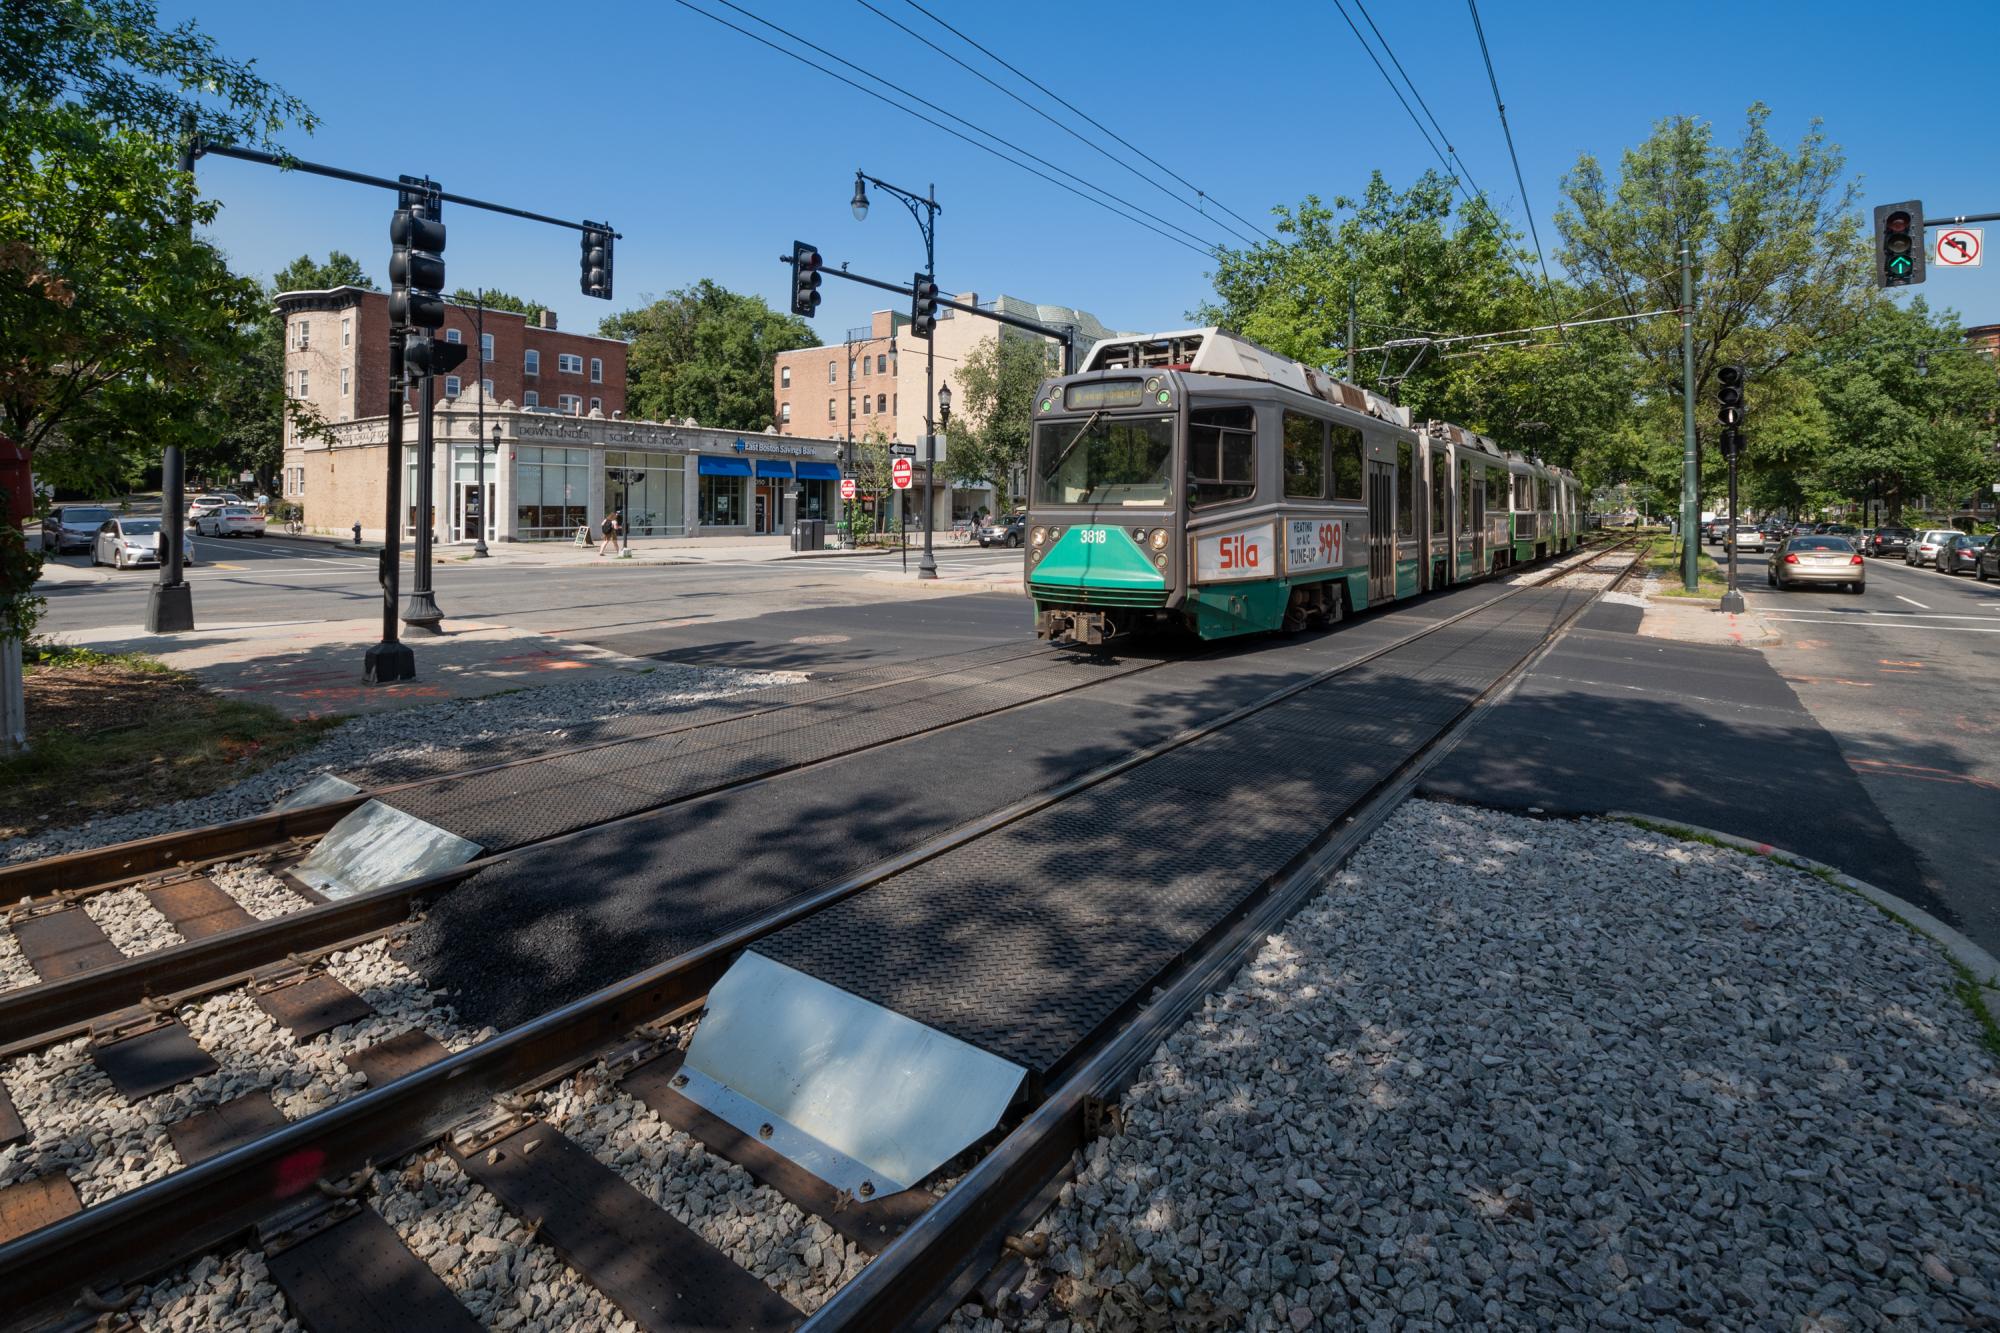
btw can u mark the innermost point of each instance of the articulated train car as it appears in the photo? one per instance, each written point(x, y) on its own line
point(1197, 479)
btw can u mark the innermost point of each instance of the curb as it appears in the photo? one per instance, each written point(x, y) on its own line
point(1985, 968)
point(342, 543)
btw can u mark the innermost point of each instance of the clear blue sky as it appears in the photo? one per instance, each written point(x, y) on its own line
point(711, 153)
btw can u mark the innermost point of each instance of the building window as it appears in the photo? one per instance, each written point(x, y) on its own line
point(486, 387)
point(893, 400)
point(881, 402)
point(346, 332)
point(721, 502)
point(550, 487)
point(451, 386)
point(597, 404)
point(304, 392)
point(569, 403)
point(784, 377)
point(864, 365)
point(829, 409)
point(290, 392)
point(452, 336)
point(830, 369)
point(305, 334)
point(785, 414)
point(531, 362)
point(649, 487)
point(531, 399)
point(485, 347)
point(850, 407)
point(882, 365)
point(850, 370)
point(569, 363)
point(343, 382)
point(597, 370)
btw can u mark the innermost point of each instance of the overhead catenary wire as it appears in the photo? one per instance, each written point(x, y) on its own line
point(1060, 101)
point(1510, 333)
point(1204, 248)
point(1107, 154)
point(1438, 152)
point(1520, 182)
point(1417, 93)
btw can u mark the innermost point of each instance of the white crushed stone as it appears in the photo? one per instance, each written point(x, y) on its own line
point(228, 1293)
point(14, 969)
point(417, 730)
point(256, 890)
point(485, 1254)
point(1510, 1073)
point(131, 922)
point(79, 1123)
point(797, 1255)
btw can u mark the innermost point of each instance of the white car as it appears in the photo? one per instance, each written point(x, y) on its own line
point(231, 521)
point(125, 542)
point(1747, 538)
point(1924, 549)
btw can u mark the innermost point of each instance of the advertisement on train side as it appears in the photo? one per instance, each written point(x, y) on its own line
point(1236, 553)
point(1313, 544)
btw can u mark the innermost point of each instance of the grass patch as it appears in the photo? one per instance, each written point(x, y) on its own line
point(1663, 561)
point(110, 733)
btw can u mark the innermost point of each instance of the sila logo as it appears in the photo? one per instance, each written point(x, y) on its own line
point(1239, 552)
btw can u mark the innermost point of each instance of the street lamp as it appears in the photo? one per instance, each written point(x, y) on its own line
point(479, 457)
point(924, 208)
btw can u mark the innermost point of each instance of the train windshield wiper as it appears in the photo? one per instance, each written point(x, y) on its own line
point(1074, 440)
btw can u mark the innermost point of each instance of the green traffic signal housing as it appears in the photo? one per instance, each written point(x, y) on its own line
point(923, 305)
point(806, 264)
point(1899, 244)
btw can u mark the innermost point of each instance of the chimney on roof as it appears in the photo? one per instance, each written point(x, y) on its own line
point(547, 319)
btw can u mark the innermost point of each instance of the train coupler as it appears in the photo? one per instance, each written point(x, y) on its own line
point(1085, 627)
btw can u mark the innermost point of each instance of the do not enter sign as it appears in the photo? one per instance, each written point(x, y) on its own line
point(900, 474)
point(847, 488)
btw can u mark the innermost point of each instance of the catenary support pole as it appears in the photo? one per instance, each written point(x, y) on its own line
point(927, 567)
point(1690, 455)
point(169, 601)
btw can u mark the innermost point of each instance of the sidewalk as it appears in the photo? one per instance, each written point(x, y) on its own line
point(653, 550)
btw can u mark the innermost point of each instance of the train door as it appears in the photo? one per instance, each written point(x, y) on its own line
point(1476, 520)
point(1381, 531)
point(1438, 556)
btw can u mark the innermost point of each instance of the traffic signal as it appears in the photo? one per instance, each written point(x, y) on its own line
point(806, 265)
point(424, 355)
point(1899, 244)
point(594, 264)
point(923, 306)
point(1730, 382)
point(416, 268)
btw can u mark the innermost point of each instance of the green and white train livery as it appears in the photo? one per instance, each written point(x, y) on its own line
point(1195, 478)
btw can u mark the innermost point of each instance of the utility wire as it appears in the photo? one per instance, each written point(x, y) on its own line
point(1520, 183)
point(1205, 249)
point(1087, 142)
point(1199, 192)
point(1443, 161)
point(1416, 93)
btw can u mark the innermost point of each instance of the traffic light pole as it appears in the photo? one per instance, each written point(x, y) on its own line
point(1690, 452)
point(169, 601)
point(391, 660)
point(421, 611)
point(1732, 600)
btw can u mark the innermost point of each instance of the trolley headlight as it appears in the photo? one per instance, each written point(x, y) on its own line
point(1039, 536)
point(1160, 561)
point(1138, 536)
point(1159, 539)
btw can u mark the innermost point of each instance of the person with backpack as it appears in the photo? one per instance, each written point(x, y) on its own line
point(610, 528)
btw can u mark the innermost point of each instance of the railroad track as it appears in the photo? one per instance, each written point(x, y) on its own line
point(483, 1113)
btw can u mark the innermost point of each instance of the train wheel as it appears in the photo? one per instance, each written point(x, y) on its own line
point(1333, 606)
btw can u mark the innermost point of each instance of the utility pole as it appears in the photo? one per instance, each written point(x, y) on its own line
point(1690, 455)
point(169, 601)
point(1352, 334)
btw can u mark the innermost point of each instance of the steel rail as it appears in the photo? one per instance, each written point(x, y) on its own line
point(154, 1227)
point(922, 1276)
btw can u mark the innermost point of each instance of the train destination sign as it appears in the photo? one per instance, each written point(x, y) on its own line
point(1104, 393)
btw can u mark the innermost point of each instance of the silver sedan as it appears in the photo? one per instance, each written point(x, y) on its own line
point(125, 542)
point(1828, 561)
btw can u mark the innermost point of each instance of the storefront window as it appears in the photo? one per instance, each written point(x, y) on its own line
point(722, 502)
point(650, 488)
point(815, 499)
point(551, 491)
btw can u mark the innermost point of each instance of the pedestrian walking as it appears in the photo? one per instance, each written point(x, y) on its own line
point(612, 522)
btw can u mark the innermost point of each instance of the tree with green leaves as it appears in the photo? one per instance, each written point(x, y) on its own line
point(991, 428)
point(530, 310)
point(306, 274)
point(708, 353)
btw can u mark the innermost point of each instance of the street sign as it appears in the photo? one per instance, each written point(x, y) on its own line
point(847, 488)
point(902, 451)
point(900, 474)
point(1959, 247)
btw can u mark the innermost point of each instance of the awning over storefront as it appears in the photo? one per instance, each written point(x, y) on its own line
point(711, 466)
point(818, 472)
point(771, 467)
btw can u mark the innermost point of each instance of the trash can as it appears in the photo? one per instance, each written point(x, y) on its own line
point(815, 536)
point(798, 536)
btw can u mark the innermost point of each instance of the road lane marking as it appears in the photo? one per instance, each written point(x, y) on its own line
point(1876, 624)
point(1912, 601)
point(1889, 768)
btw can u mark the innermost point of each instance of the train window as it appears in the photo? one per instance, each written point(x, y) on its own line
point(1222, 454)
point(1406, 493)
point(1347, 446)
point(1464, 495)
point(1541, 492)
point(1104, 460)
point(1496, 489)
point(1305, 457)
point(1440, 491)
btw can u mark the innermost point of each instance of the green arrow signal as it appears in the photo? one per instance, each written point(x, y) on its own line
point(1899, 265)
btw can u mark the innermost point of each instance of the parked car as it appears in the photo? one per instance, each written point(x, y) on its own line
point(1887, 542)
point(208, 502)
point(1988, 564)
point(1821, 559)
point(1715, 530)
point(73, 527)
point(1004, 531)
point(1924, 549)
point(1960, 555)
point(231, 521)
point(125, 542)
point(1749, 538)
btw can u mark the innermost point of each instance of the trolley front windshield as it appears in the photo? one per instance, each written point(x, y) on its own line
point(1104, 460)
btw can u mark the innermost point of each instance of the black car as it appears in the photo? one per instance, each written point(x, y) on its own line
point(73, 527)
point(1988, 564)
point(1961, 554)
point(1889, 541)
point(1003, 531)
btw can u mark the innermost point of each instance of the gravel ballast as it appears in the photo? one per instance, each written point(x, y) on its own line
point(1507, 1072)
point(411, 733)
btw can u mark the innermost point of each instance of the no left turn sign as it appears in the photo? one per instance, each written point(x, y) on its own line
point(1959, 247)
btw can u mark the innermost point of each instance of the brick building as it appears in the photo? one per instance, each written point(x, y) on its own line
point(337, 359)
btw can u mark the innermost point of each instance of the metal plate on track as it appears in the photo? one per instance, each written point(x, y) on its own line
point(153, 1061)
point(322, 790)
point(234, 1123)
point(377, 845)
point(30, 1205)
point(405, 1053)
point(871, 1225)
point(314, 1005)
point(357, 1276)
point(198, 909)
point(657, 1270)
point(62, 944)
